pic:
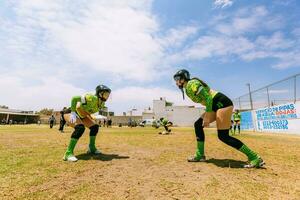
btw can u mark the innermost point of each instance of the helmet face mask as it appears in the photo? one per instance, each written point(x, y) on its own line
point(177, 78)
point(103, 96)
point(180, 83)
point(103, 92)
point(181, 77)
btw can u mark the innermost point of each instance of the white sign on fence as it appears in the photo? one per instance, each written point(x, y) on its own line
point(282, 118)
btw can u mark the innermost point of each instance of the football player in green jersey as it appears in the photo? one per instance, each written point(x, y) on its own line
point(166, 124)
point(218, 108)
point(237, 121)
point(80, 117)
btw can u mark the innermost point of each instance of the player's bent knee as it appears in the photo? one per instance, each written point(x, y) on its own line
point(94, 130)
point(79, 130)
point(223, 136)
point(198, 124)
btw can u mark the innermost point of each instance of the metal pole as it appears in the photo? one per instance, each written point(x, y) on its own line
point(240, 103)
point(7, 118)
point(268, 97)
point(251, 103)
point(295, 89)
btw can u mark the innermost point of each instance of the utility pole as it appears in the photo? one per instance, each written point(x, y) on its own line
point(251, 103)
point(295, 89)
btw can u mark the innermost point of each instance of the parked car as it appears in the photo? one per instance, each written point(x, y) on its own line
point(149, 122)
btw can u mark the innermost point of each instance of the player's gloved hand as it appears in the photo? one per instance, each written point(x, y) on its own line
point(73, 117)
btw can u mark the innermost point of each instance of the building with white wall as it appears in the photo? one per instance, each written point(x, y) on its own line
point(179, 115)
point(17, 116)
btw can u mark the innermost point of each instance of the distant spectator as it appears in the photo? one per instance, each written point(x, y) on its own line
point(130, 122)
point(109, 123)
point(62, 120)
point(237, 121)
point(51, 121)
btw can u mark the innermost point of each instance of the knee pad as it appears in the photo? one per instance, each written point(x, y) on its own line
point(94, 130)
point(198, 123)
point(199, 130)
point(223, 135)
point(79, 130)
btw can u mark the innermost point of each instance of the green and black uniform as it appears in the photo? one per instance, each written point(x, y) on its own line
point(88, 102)
point(199, 92)
point(237, 119)
point(165, 122)
point(91, 104)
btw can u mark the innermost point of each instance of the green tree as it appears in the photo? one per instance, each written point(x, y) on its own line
point(46, 111)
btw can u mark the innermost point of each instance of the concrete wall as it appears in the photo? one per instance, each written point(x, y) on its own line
point(148, 115)
point(179, 115)
point(116, 120)
point(183, 115)
point(159, 108)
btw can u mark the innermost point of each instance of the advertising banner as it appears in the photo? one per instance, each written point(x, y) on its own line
point(281, 118)
point(247, 121)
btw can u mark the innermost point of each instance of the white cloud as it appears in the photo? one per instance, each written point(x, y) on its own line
point(274, 42)
point(248, 20)
point(249, 34)
point(216, 46)
point(120, 40)
point(287, 59)
point(99, 35)
point(175, 37)
point(49, 93)
point(58, 43)
point(126, 98)
point(223, 3)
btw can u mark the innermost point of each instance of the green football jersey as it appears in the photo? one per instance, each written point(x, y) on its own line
point(199, 93)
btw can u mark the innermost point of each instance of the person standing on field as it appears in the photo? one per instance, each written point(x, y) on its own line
point(51, 121)
point(62, 120)
point(237, 121)
point(218, 108)
point(80, 118)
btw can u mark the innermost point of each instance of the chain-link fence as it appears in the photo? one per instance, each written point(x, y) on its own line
point(284, 91)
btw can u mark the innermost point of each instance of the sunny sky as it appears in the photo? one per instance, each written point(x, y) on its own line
point(52, 50)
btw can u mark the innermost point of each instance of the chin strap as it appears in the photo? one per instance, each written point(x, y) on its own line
point(102, 99)
point(182, 93)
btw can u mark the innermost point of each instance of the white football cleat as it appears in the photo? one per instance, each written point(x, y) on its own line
point(70, 158)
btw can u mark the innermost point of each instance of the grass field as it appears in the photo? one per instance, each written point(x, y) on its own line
point(140, 164)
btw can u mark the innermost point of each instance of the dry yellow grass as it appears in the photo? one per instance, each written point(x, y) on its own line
point(140, 164)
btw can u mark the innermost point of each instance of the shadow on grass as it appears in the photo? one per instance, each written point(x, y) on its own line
point(227, 163)
point(102, 157)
